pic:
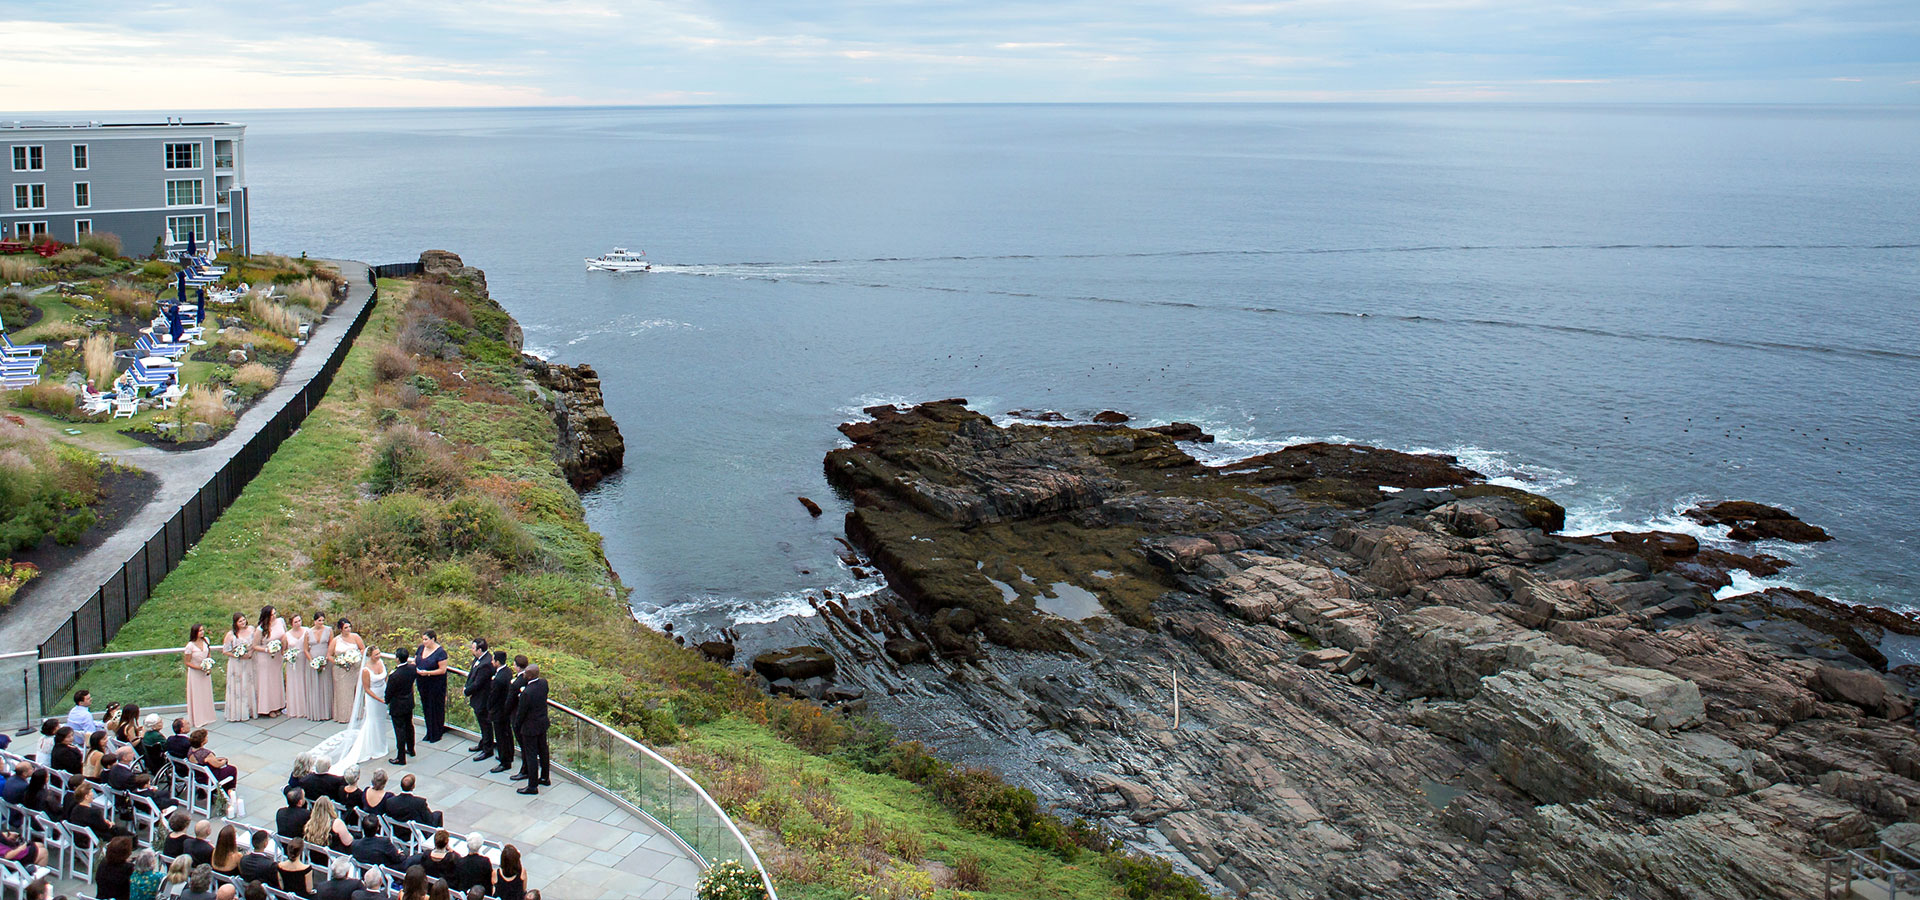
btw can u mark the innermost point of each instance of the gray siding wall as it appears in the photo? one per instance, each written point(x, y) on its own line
point(137, 230)
point(127, 177)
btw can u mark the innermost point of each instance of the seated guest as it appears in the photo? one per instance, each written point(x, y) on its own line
point(302, 767)
point(179, 744)
point(94, 767)
point(375, 796)
point(15, 847)
point(352, 798)
point(320, 783)
point(145, 884)
point(291, 821)
point(66, 753)
point(292, 874)
point(200, 847)
point(373, 886)
point(509, 881)
point(438, 890)
point(324, 829)
point(127, 727)
point(340, 883)
point(43, 749)
point(413, 885)
point(80, 717)
point(474, 870)
point(41, 796)
point(224, 770)
point(405, 807)
point(179, 829)
point(16, 786)
point(226, 852)
point(442, 861)
point(259, 865)
point(120, 773)
point(255, 891)
point(83, 814)
point(373, 849)
point(143, 787)
point(153, 744)
point(226, 891)
point(199, 884)
point(113, 876)
point(176, 878)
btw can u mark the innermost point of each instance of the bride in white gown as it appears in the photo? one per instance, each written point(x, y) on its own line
point(365, 736)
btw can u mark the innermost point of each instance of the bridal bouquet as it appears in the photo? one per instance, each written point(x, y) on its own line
point(237, 650)
point(273, 646)
point(318, 663)
point(347, 657)
point(206, 665)
point(292, 654)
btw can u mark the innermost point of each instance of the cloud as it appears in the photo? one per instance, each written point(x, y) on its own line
point(267, 53)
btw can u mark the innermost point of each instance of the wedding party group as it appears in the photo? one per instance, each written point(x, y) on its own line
point(276, 667)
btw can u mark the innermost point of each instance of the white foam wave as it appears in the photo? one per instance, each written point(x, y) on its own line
point(632, 326)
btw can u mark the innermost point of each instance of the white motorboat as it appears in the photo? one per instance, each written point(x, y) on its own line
point(620, 260)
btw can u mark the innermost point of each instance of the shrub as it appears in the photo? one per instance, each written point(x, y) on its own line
point(392, 364)
point(73, 256)
point(105, 244)
point(966, 874)
point(51, 398)
point(407, 532)
point(729, 880)
point(20, 270)
point(1151, 878)
point(254, 377)
point(313, 293)
point(157, 269)
point(69, 531)
point(58, 332)
point(98, 352)
point(408, 459)
point(451, 577)
point(273, 316)
point(126, 300)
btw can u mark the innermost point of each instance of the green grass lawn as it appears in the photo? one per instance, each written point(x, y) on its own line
point(92, 435)
point(56, 310)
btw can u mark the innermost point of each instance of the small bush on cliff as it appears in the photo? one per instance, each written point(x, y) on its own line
point(1150, 878)
point(408, 459)
point(392, 364)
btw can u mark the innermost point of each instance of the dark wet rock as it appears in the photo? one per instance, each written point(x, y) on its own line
point(718, 651)
point(1749, 521)
point(1038, 415)
point(589, 446)
point(1110, 417)
point(1182, 431)
point(795, 663)
point(906, 651)
point(813, 509)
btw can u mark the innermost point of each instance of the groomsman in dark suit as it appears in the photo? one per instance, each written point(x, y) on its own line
point(400, 706)
point(479, 687)
point(530, 724)
point(431, 664)
point(506, 687)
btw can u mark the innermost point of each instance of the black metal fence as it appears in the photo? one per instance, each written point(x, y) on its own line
point(397, 270)
point(120, 596)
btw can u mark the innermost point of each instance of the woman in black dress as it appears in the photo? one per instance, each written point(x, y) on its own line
point(113, 877)
point(292, 874)
point(510, 881)
point(82, 813)
point(66, 754)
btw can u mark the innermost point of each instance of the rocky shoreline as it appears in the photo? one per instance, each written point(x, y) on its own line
point(1339, 671)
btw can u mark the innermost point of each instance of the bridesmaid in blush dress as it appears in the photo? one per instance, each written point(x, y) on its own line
point(269, 670)
point(239, 669)
point(294, 670)
point(320, 680)
point(200, 711)
point(346, 679)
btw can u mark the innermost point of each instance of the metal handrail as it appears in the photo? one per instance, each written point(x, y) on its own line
point(766, 880)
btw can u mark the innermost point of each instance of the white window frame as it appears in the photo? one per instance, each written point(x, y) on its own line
point(176, 236)
point(82, 228)
point(199, 191)
point(23, 157)
point(36, 229)
point(79, 186)
point(82, 158)
point(193, 155)
point(28, 196)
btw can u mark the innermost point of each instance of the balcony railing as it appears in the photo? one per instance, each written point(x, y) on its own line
point(621, 768)
point(223, 162)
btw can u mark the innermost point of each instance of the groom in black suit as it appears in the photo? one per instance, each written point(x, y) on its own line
point(400, 707)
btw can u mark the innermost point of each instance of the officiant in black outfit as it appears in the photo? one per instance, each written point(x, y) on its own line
point(400, 706)
point(530, 724)
point(478, 689)
point(505, 687)
point(431, 665)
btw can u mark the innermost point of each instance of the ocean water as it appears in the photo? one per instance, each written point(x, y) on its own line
point(1628, 308)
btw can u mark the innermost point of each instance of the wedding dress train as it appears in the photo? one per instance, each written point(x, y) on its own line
point(365, 736)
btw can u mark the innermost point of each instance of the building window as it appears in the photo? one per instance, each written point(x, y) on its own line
point(29, 196)
point(82, 228)
point(29, 158)
point(184, 193)
point(80, 157)
point(180, 227)
point(26, 231)
point(183, 156)
point(82, 195)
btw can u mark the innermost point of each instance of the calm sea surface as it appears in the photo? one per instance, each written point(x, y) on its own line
point(1627, 308)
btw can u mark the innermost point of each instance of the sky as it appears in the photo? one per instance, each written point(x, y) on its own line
point(256, 54)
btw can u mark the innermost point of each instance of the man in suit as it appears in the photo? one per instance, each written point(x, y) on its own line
point(120, 774)
point(479, 687)
point(340, 883)
point(258, 865)
point(198, 848)
point(291, 821)
point(407, 807)
point(400, 706)
point(373, 849)
point(500, 699)
point(474, 869)
point(373, 886)
point(322, 783)
point(430, 664)
point(530, 724)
